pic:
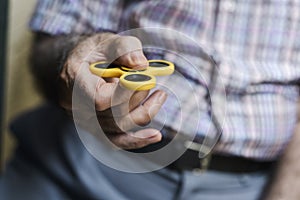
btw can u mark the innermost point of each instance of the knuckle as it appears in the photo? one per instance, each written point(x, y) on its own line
point(63, 76)
point(100, 107)
point(102, 98)
point(130, 62)
point(137, 98)
point(125, 142)
point(131, 39)
point(143, 119)
point(117, 141)
point(121, 124)
point(137, 142)
point(128, 42)
point(138, 58)
point(134, 143)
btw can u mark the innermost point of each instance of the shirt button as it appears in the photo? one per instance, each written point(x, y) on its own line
point(229, 6)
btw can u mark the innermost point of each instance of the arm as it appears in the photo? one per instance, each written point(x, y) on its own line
point(285, 185)
point(74, 54)
point(47, 57)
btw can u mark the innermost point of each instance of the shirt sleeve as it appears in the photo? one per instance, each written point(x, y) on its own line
point(57, 17)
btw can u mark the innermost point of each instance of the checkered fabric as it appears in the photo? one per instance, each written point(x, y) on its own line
point(258, 49)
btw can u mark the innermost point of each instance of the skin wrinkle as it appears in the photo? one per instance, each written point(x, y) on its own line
point(96, 48)
point(80, 52)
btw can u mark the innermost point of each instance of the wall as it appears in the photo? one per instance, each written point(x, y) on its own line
point(20, 91)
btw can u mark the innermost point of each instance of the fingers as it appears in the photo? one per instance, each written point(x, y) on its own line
point(103, 94)
point(106, 94)
point(137, 139)
point(134, 60)
point(116, 127)
point(127, 50)
point(144, 113)
point(135, 100)
point(123, 50)
point(111, 94)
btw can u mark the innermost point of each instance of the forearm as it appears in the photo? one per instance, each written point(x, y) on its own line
point(285, 185)
point(48, 56)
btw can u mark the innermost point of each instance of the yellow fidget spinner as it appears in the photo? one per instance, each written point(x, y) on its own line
point(134, 79)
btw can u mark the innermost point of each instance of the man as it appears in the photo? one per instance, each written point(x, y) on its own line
point(257, 45)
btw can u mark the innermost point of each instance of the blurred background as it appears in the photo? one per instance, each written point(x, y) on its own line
point(19, 91)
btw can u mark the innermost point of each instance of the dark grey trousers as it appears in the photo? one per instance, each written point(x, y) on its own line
point(51, 163)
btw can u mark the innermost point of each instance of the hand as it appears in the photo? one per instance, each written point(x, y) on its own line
point(107, 94)
point(117, 121)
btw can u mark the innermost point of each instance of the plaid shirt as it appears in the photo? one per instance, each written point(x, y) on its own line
point(258, 45)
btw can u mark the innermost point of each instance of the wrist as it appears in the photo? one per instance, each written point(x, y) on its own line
point(70, 42)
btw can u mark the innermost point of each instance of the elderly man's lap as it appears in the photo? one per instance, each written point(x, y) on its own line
point(51, 159)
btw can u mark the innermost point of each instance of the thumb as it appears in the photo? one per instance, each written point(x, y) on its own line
point(129, 52)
